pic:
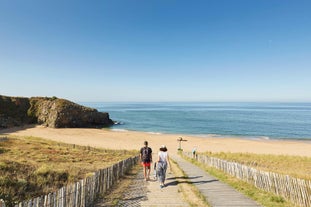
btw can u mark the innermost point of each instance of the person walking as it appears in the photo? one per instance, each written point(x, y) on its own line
point(163, 163)
point(146, 159)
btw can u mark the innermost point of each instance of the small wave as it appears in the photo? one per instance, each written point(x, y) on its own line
point(118, 123)
point(206, 135)
point(119, 130)
point(258, 138)
point(265, 138)
point(156, 133)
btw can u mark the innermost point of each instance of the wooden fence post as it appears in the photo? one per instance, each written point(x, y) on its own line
point(2, 204)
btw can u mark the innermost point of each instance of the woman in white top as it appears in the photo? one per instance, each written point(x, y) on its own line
point(163, 162)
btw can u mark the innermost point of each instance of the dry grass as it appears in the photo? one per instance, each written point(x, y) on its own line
point(295, 166)
point(31, 166)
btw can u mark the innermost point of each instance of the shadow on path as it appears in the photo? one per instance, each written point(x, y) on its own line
point(174, 183)
point(184, 177)
point(216, 192)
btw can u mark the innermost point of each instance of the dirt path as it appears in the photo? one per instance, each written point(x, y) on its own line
point(147, 193)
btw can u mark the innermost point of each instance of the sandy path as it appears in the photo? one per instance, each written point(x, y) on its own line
point(107, 138)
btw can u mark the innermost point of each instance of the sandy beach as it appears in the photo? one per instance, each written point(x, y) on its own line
point(107, 138)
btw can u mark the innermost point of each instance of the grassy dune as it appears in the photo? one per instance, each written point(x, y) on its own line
point(31, 166)
point(295, 166)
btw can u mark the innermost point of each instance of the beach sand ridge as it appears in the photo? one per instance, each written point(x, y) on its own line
point(133, 140)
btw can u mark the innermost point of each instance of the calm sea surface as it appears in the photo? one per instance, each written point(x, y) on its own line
point(250, 120)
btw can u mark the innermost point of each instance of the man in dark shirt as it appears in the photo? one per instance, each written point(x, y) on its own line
point(146, 159)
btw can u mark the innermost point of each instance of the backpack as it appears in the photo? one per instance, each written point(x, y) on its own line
point(145, 154)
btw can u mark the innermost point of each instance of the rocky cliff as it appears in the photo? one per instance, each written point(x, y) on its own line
point(13, 112)
point(50, 112)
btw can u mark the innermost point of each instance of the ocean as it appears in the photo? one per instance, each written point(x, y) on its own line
point(249, 120)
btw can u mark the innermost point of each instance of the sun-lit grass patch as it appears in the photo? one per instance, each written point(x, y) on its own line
point(295, 166)
point(30, 167)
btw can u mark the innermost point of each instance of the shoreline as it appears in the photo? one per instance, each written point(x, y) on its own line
point(263, 138)
point(133, 140)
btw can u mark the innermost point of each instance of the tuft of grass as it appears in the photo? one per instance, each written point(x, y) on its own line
point(30, 166)
point(190, 193)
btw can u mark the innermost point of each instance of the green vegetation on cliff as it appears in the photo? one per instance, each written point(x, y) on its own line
point(13, 112)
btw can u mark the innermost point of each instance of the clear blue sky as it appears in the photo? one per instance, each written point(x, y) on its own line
point(156, 50)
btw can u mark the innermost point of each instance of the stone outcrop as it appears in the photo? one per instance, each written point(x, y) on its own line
point(50, 112)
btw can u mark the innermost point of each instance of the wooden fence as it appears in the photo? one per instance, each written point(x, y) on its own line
point(2, 204)
point(84, 192)
point(296, 190)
